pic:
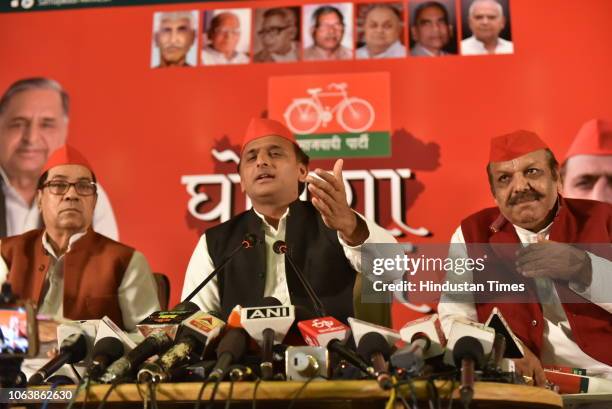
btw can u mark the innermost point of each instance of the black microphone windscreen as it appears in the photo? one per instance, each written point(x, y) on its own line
point(186, 306)
point(234, 342)
point(270, 302)
point(371, 343)
point(468, 347)
point(77, 347)
point(279, 247)
point(110, 346)
point(249, 240)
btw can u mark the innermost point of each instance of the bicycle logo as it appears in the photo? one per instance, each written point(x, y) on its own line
point(306, 115)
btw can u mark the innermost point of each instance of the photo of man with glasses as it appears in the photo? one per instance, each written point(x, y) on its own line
point(329, 30)
point(277, 37)
point(223, 35)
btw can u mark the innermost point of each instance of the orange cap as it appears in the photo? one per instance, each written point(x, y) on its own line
point(594, 138)
point(66, 155)
point(261, 127)
point(515, 144)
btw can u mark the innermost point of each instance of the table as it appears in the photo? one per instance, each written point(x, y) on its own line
point(325, 394)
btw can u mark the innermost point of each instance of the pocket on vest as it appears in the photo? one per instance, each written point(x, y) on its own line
point(97, 307)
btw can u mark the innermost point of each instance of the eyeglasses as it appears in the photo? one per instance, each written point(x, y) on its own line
point(82, 187)
point(273, 31)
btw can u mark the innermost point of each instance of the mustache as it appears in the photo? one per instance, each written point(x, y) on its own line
point(524, 196)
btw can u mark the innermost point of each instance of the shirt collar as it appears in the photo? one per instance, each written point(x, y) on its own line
point(49, 248)
point(268, 226)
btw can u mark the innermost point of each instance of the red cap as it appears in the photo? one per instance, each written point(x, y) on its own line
point(594, 138)
point(513, 145)
point(66, 155)
point(261, 127)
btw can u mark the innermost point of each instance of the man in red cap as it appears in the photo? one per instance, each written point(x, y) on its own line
point(531, 214)
point(69, 270)
point(587, 169)
point(324, 236)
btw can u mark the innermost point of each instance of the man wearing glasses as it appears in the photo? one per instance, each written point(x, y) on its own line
point(327, 32)
point(278, 34)
point(223, 35)
point(69, 270)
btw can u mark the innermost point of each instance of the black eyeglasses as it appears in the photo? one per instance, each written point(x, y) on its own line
point(82, 187)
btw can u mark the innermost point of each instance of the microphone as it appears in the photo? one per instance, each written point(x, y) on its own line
point(280, 247)
point(72, 350)
point(249, 241)
point(304, 363)
point(330, 333)
point(469, 354)
point(230, 350)
point(106, 351)
point(193, 337)
point(154, 344)
point(426, 327)
point(268, 325)
point(374, 348)
point(411, 358)
point(461, 328)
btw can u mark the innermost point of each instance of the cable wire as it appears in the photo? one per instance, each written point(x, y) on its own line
point(200, 393)
point(228, 402)
point(107, 394)
point(299, 392)
point(211, 401)
point(257, 382)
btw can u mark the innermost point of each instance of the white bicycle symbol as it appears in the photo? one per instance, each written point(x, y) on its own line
point(305, 115)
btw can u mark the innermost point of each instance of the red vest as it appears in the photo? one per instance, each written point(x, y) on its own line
point(93, 271)
point(577, 221)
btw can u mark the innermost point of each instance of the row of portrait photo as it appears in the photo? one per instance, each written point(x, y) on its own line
point(336, 31)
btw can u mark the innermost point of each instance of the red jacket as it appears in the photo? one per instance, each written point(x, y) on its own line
point(577, 221)
point(93, 271)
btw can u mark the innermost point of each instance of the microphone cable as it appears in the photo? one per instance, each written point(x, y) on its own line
point(300, 391)
point(257, 382)
point(200, 393)
point(211, 401)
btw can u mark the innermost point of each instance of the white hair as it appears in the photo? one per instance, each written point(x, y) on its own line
point(177, 15)
point(475, 2)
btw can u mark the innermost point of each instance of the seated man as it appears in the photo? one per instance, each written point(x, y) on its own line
point(587, 169)
point(67, 268)
point(324, 235)
point(525, 182)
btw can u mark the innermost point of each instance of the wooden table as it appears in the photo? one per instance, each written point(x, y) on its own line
point(325, 394)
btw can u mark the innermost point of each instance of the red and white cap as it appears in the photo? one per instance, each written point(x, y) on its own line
point(593, 138)
point(66, 155)
point(262, 127)
point(513, 145)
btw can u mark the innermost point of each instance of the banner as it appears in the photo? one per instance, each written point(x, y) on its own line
point(161, 95)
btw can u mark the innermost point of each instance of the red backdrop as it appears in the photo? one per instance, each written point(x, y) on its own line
point(144, 128)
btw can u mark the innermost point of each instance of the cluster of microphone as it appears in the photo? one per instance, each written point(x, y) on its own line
point(284, 342)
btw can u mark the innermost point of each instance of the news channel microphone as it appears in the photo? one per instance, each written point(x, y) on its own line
point(280, 247)
point(192, 338)
point(230, 350)
point(72, 350)
point(268, 325)
point(303, 363)
point(249, 240)
point(461, 328)
point(331, 333)
point(106, 351)
point(468, 354)
point(159, 330)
